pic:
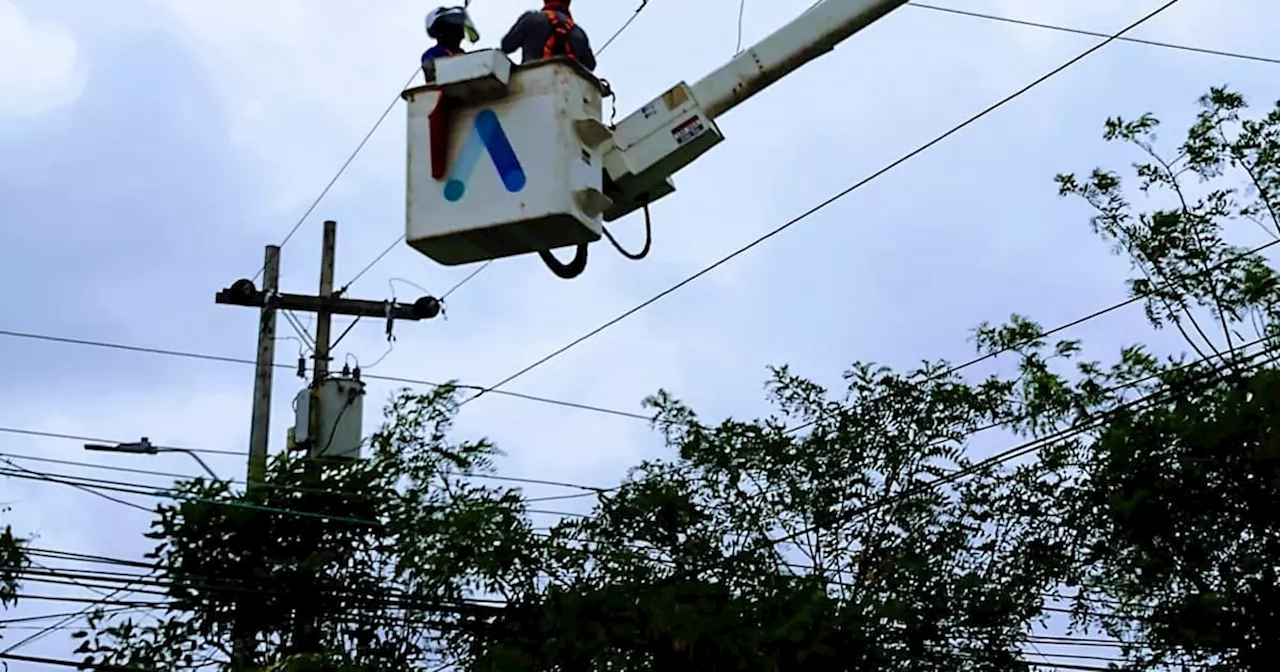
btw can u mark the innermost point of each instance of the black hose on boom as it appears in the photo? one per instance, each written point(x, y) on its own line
point(648, 239)
point(570, 270)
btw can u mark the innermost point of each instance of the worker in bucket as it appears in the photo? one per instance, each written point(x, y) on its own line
point(448, 26)
point(549, 33)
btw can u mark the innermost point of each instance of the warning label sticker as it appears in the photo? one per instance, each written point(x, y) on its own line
point(688, 130)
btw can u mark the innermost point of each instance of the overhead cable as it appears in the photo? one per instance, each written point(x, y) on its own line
point(1091, 33)
point(824, 204)
point(1086, 424)
point(73, 437)
point(618, 33)
point(342, 169)
point(293, 366)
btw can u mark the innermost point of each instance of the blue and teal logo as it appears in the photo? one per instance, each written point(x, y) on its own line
point(487, 135)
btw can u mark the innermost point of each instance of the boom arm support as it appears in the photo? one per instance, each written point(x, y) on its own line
point(672, 131)
point(815, 32)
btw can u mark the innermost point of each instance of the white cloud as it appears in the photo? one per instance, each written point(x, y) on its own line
point(39, 66)
point(898, 271)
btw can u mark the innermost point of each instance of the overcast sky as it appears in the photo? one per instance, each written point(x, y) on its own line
point(149, 149)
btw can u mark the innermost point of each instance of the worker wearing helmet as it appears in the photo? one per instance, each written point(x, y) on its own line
point(448, 26)
point(549, 33)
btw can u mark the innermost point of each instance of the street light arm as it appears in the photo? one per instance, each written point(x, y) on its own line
point(195, 457)
point(142, 447)
point(145, 447)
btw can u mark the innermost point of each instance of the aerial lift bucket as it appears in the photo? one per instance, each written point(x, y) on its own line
point(504, 160)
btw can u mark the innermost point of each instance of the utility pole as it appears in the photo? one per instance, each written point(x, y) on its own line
point(307, 628)
point(320, 412)
point(260, 425)
point(324, 314)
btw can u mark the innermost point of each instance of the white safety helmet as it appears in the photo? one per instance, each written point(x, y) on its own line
point(454, 15)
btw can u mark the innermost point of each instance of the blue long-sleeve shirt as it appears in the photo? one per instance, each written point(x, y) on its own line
point(430, 55)
point(531, 32)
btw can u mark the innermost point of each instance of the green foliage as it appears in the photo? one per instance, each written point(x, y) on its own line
point(381, 551)
point(765, 548)
point(1177, 504)
point(688, 624)
point(1225, 172)
point(1169, 501)
point(13, 560)
point(846, 530)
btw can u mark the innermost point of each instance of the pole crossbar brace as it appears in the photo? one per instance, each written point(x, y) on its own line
point(238, 294)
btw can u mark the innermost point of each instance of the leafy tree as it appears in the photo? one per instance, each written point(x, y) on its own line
point(816, 537)
point(13, 560)
point(1152, 495)
point(366, 570)
point(1171, 501)
point(824, 535)
point(847, 530)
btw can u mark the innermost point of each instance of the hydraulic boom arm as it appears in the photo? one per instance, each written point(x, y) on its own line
point(672, 131)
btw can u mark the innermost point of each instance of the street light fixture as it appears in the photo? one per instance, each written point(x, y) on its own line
point(145, 447)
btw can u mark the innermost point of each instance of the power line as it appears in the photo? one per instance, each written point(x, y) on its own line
point(8, 622)
point(467, 279)
point(741, 16)
point(107, 597)
point(591, 489)
point(281, 365)
point(221, 584)
point(742, 13)
point(95, 485)
point(857, 185)
point(1091, 422)
point(485, 265)
point(78, 664)
point(93, 601)
point(465, 607)
point(1022, 449)
point(92, 558)
point(1034, 445)
point(104, 601)
point(32, 474)
point(325, 192)
point(949, 10)
point(369, 266)
point(1226, 262)
point(597, 491)
point(107, 467)
point(159, 588)
point(480, 606)
point(92, 439)
point(392, 246)
point(1090, 33)
point(992, 17)
point(394, 600)
point(92, 484)
point(1229, 261)
point(1133, 384)
point(626, 24)
point(87, 483)
point(407, 602)
point(109, 668)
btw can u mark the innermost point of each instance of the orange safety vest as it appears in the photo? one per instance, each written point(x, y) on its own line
point(558, 43)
